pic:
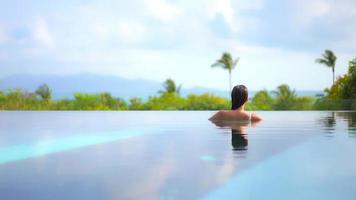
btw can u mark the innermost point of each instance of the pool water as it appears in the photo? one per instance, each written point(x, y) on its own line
point(176, 155)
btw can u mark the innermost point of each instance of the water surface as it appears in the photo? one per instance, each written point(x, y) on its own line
point(176, 155)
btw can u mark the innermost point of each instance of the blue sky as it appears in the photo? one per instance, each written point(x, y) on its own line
point(277, 41)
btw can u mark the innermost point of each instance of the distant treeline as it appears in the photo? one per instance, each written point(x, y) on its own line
point(169, 99)
point(341, 96)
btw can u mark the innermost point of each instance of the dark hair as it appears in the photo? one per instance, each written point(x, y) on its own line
point(239, 96)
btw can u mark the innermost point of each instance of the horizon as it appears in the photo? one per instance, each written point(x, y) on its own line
point(136, 79)
point(156, 40)
point(65, 87)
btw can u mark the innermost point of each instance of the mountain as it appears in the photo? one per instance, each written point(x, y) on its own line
point(66, 86)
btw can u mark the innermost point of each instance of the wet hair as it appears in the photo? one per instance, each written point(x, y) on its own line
point(239, 96)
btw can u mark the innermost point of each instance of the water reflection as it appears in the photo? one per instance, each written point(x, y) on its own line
point(328, 122)
point(332, 120)
point(350, 118)
point(239, 139)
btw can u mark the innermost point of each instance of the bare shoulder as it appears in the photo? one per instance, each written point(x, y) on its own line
point(220, 115)
point(217, 115)
point(230, 115)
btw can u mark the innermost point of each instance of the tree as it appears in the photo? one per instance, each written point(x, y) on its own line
point(345, 86)
point(44, 92)
point(206, 101)
point(166, 101)
point(342, 94)
point(170, 87)
point(329, 60)
point(226, 62)
point(112, 103)
point(285, 98)
point(136, 104)
point(84, 101)
point(262, 100)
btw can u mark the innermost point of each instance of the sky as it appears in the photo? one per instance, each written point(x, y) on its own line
point(277, 41)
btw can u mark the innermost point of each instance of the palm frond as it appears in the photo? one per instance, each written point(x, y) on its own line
point(236, 61)
point(218, 63)
point(329, 58)
point(275, 92)
point(322, 61)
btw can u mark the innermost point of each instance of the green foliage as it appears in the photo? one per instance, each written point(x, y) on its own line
point(206, 102)
point(342, 94)
point(63, 104)
point(352, 67)
point(345, 86)
point(172, 101)
point(2, 100)
point(136, 104)
point(282, 99)
point(285, 98)
point(166, 101)
point(44, 92)
point(262, 101)
point(18, 99)
point(100, 101)
point(113, 103)
point(303, 103)
point(328, 59)
point(170, 87)
point(226, 62)
point(87, 102)
point(334, 104)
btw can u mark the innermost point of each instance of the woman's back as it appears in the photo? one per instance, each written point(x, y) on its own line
point(235, 115)
point(239, 97)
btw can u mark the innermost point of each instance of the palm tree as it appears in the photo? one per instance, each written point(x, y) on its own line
point(226, 62)
point(44, 92)
point(285, 97)
point(329, 60)
point(170, 87)
point(285, 92)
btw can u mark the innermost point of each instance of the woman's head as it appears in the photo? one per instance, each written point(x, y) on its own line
point(239, 96)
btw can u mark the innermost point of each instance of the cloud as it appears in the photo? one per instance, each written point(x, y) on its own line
point(131, 31)
point(251, 5)
point(225, 9)
point(41, 33)
point(305, 15)
point(238, 14)
point(162, 10)
point(156, 39)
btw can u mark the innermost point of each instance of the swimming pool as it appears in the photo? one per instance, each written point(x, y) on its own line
point(176, 155)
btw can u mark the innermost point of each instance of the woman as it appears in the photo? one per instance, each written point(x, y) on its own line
point(239, 97)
